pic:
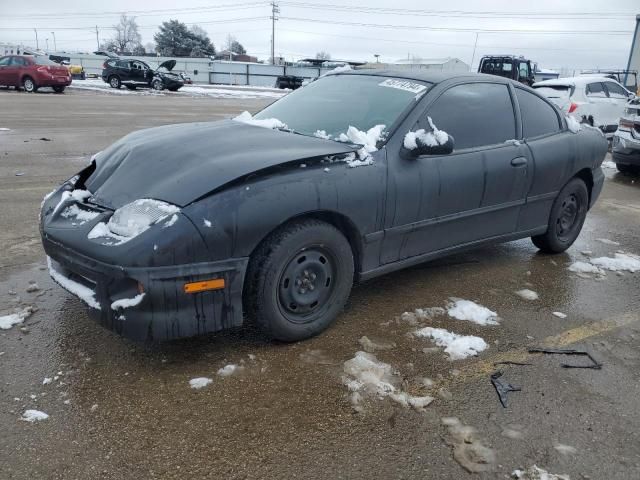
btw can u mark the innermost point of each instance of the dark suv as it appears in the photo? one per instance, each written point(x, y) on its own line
point(508, 66)
point(135, 73)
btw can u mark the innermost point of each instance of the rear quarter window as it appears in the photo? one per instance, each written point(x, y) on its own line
point(538, 117)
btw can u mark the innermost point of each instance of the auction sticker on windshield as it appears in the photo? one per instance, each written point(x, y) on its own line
point(403, 85)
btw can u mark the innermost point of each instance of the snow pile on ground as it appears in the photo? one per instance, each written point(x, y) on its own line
point(471, 311)
point(371, 346)
point(618, 263)
point(75, 212)
point(127, 302)
point(199, 382)
point(366, 375)
point(573, 124)
point(273, 123)
point(527, 294)
point(34, 416)
point(431, 139)
point(537, 473)
point(4, 129)
point(8, 321)
point(609, 164)
point(606, 241)
point(229, 370)
point(585, 267)
point(456, 346)
point(468, 449)
point(559, 314)
point(421, 314)
point(86, 294)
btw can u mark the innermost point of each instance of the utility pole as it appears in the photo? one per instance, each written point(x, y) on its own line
point(37, 45)
point(97, 39)
point(473, 57)
point(55, 47)
point(275, 9)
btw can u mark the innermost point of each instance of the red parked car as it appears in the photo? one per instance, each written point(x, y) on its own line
point(33, 72)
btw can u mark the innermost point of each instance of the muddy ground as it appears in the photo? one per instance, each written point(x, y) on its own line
point(119, 410)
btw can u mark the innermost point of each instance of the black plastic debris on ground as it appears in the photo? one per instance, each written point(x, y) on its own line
point(502, 387)
point(45, 139)
point(561, 351)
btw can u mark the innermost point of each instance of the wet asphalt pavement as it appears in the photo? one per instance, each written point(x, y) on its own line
point(120, 410)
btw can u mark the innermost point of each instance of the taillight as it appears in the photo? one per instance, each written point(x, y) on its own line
point(104, 65)
point(625, 124)
point(573, 107)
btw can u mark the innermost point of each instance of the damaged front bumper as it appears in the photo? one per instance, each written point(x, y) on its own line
point(165, 311)
point(625, 148)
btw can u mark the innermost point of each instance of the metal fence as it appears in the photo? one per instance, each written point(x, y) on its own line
point(256, 74)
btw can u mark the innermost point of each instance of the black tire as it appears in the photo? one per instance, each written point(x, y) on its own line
point(628, 169)
point(157, 84)
point(130, 87)
point(29, 85)
point(114, 81)
point(58, 89)
point(299, 279)
point(568, 213)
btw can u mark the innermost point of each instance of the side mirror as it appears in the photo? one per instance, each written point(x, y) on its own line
point(430, 147)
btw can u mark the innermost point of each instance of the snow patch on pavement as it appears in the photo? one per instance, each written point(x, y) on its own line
point(559, 314)
point(229, 370)
point(199, 382)
point(4, 129)
point(620, 262)
point(537, 473)
point(8, 321)
point(527, 294)
point(606, 241)
point(585, 267)
point(473, 312)
point(34, 416)
point(456, 346)
point(468, 449)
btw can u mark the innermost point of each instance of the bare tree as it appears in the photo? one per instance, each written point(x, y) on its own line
point(322, 55)
point(127, 37)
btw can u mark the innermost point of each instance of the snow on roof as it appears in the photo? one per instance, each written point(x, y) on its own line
point(572, 81)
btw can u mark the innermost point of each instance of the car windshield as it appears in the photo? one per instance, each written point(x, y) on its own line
point(333, 103)
point(43, 61)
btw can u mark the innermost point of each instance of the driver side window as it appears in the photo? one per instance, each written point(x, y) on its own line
point(475, 115)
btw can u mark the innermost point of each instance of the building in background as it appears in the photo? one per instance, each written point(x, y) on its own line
point(15, 49)
point(235, 57)
point(447, 64)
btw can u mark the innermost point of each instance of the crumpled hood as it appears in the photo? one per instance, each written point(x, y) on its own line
point(168, 65)
point(181, 163)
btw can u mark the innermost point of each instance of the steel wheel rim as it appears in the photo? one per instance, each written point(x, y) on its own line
point(306, 283)
point(568, 217)
point(114, 82)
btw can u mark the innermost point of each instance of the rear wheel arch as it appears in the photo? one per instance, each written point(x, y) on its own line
point(586, 175)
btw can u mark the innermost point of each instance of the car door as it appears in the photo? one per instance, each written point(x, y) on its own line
point(4, 70)
point(474, 193)
point(124, 70)
point(551, 148)
point(600, 106)
point(138, 72)
point(618, 98)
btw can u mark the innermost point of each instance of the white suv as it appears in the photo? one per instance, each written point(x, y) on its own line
point(599, 101)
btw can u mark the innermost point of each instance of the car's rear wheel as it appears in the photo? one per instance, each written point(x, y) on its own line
point(29, 85)
point(58, 89)
point(299, 279)
point(568, 213)
point(157, 84)
point(114, 81)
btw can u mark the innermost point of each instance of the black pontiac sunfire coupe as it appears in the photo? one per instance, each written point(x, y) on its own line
point(184, 229)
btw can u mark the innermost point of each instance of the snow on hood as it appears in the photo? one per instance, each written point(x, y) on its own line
point(273, 123)
point(369, 141)
point(432, 139)
point(181, 163)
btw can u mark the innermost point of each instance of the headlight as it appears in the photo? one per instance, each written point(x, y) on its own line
point(134, 218)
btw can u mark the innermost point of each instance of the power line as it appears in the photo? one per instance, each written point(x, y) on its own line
point(459, 29)
point(110, 27)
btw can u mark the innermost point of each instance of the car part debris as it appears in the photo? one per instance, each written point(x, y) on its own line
point(509, 362)
point(502, 387)
point(560, 351)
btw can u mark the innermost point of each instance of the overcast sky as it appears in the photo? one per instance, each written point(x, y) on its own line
point(424, 28)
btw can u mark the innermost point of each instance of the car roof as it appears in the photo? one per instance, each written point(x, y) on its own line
point(424, 75)
point(573, 81)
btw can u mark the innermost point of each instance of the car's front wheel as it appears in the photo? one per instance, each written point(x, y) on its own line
point(568, 213)
point(29, 85)
point(114, 81)
point(157, 84)
point(299, 279)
